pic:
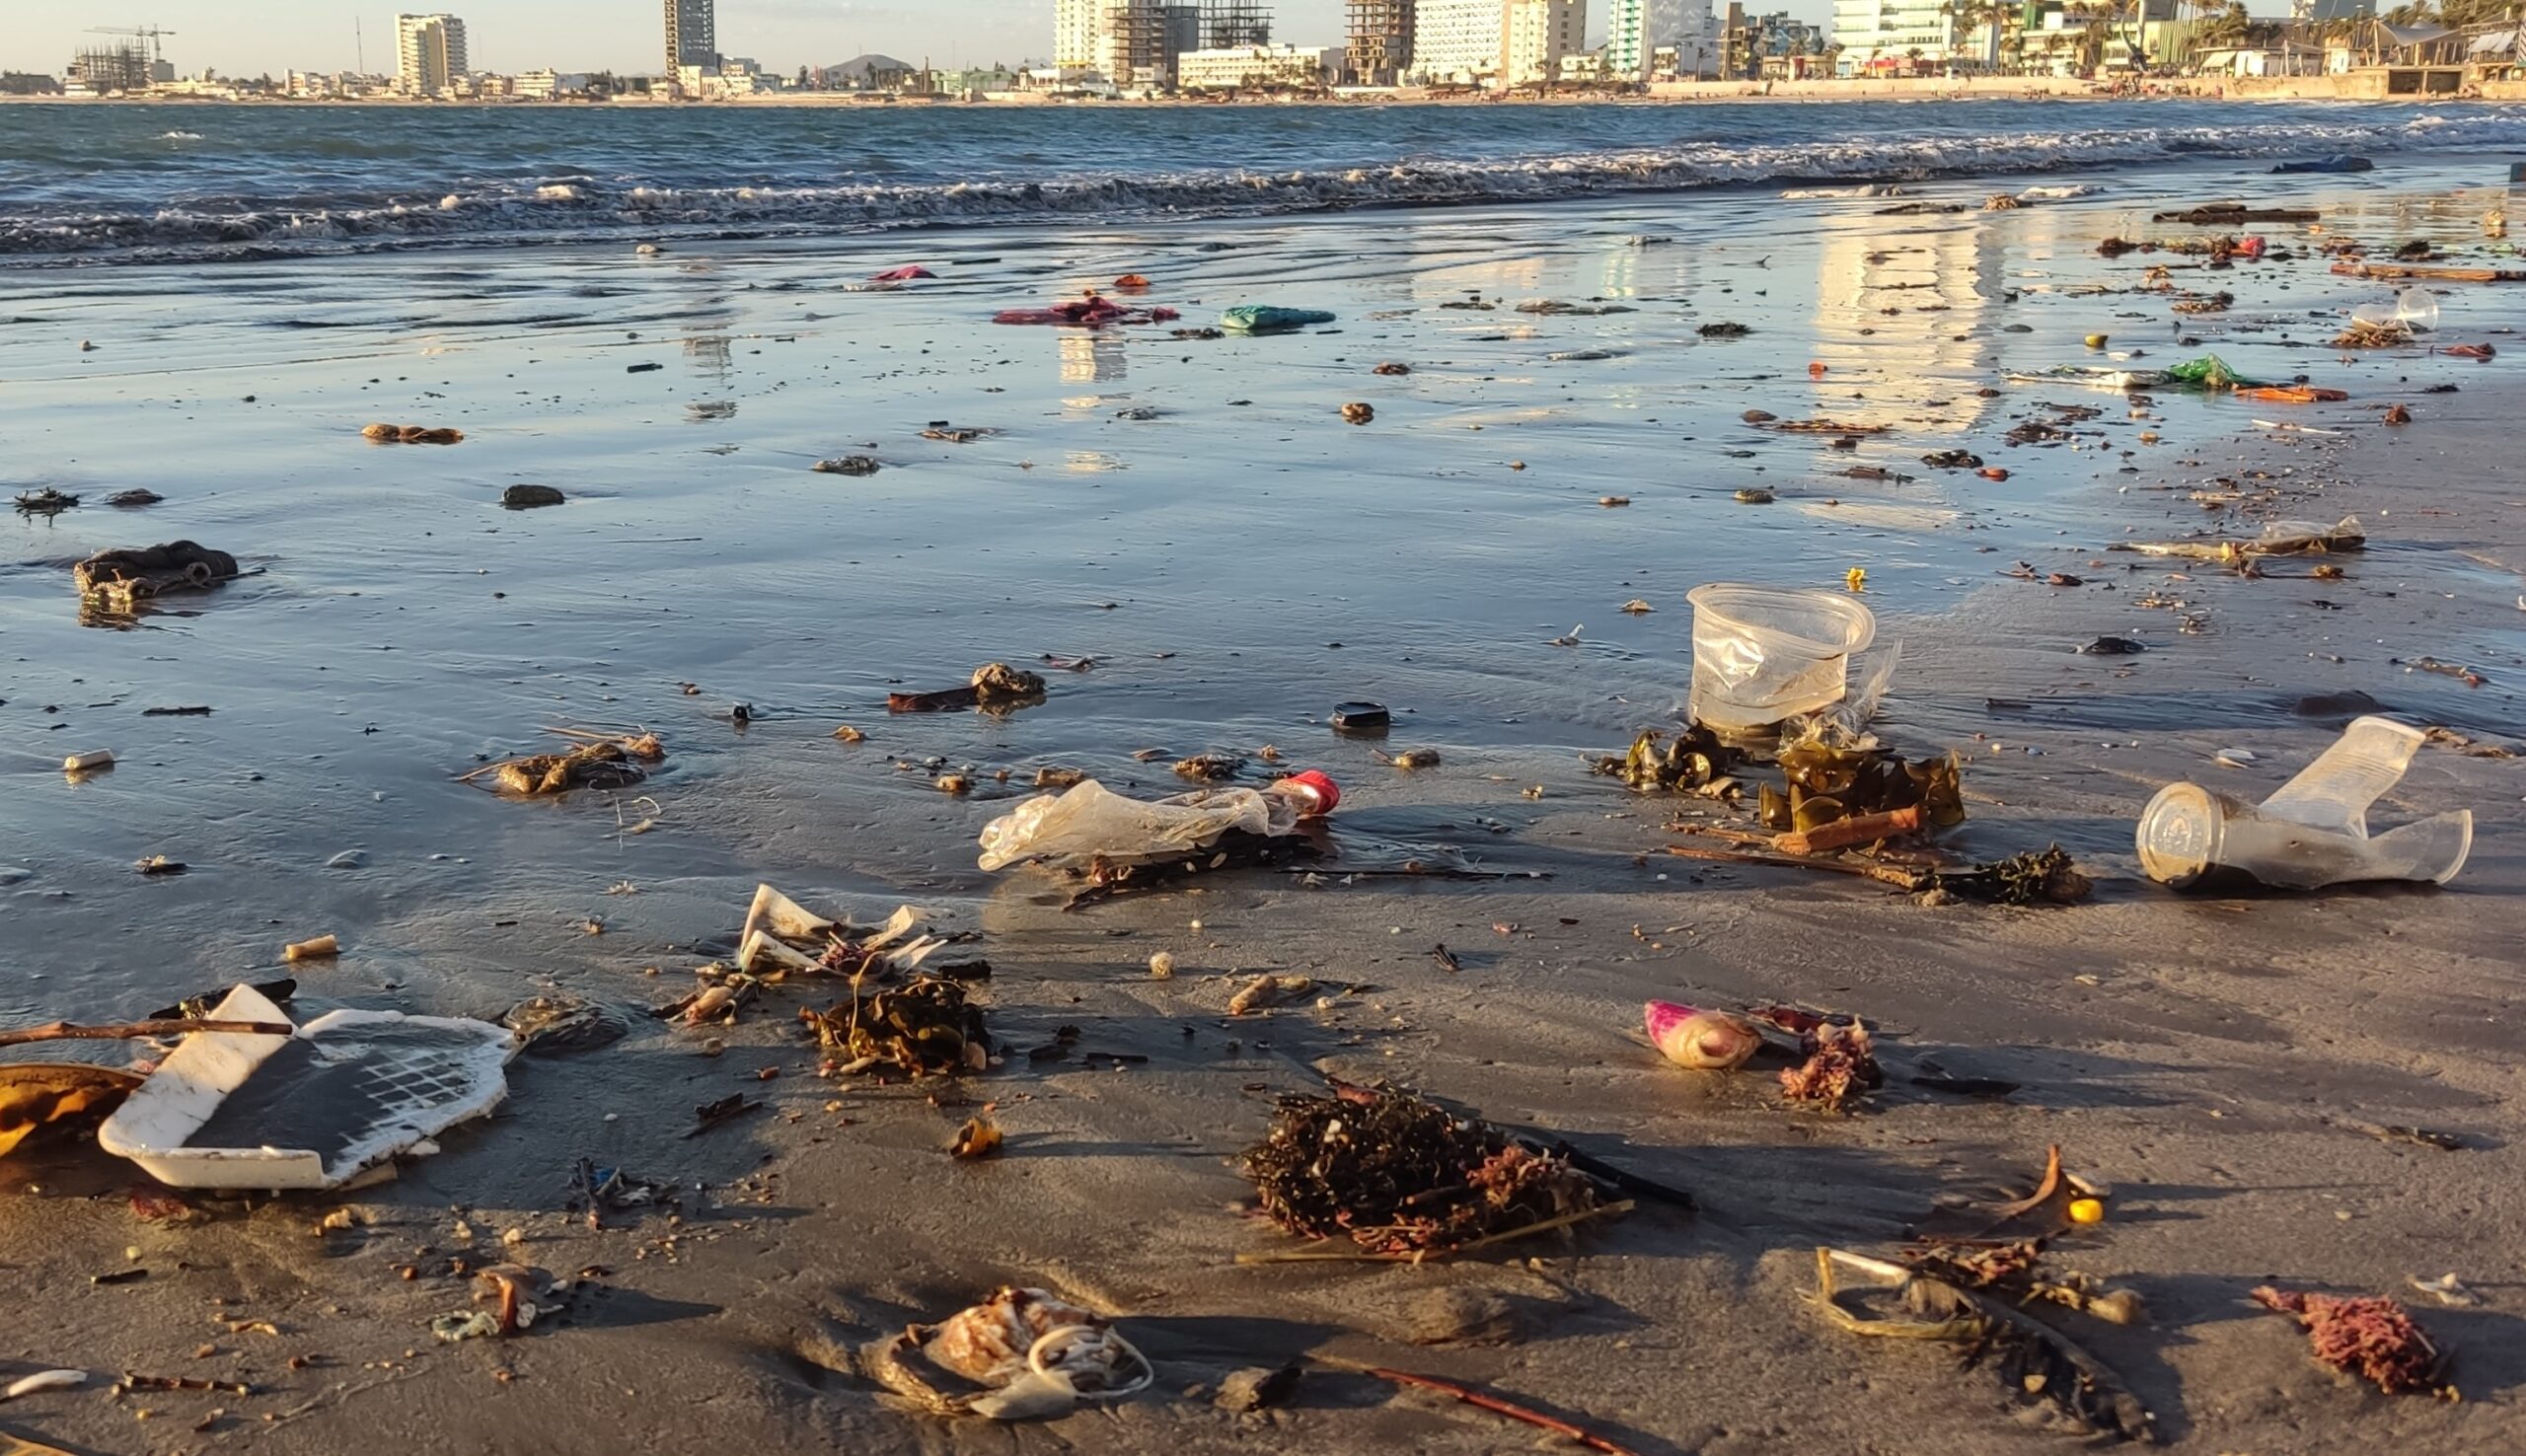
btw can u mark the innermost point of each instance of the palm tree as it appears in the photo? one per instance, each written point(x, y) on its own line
point(1965, 17)
point(2233, 26)
point(2095, 25)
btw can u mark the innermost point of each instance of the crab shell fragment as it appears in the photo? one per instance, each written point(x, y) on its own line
point(1704, 1041)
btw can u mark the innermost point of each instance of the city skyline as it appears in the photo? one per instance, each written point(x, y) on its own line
point(621, 35)
point(330, 36)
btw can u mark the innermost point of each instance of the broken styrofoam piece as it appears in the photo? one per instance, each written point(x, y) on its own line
point(760, 947)
point(314, 1109)
point(773, 921)
point(777, 914)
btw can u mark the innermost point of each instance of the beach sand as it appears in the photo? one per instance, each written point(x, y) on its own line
point(2200, 1056)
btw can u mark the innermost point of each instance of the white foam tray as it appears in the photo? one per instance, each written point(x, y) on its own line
point(408, 1097)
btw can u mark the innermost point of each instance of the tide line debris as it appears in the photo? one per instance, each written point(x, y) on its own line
point(123, 578)
point(411, 434)
point(1403, 1178)
point(2372, 1338)
point(1023, 1354)
point(599, 760)
point(2037, 1363)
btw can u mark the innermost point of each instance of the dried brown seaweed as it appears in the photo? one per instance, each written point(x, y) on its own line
point(1828, 783)
point(603, 766)
point(2036, 877)
point(925, 1029)
point(1693, 759)
point(2015, 1269)
point(2365, 333)
point(1401, 1176)
point(2038, 1363)
point(996, 688)
point(2371, 1337)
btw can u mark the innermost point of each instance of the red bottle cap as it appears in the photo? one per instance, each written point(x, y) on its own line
point(1325, 792)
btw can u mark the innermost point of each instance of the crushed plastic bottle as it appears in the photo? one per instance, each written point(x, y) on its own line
point(2313, 831)
point(1088, 821)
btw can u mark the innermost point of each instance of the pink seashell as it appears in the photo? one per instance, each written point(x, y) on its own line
point(1705, 1041)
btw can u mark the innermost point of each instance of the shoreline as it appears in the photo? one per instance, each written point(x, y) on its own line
point(2356, 88)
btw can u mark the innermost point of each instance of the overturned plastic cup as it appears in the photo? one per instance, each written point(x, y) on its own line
point(1765, 654)
point(2417, 309)
point(2414, 310)
point(2314, 830)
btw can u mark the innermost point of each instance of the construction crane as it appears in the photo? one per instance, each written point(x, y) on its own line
point(149, 34)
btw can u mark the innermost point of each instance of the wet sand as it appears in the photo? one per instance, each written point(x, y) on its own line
point(2198, 1055)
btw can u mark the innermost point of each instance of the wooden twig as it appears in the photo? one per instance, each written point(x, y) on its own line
point(1409, 872)
point(1898, 876)
point(1417, 1255)
point(1630, 1183)
point(63, 1030)
point(2364, 270)
point(1500, 1406)
point(1860, 829)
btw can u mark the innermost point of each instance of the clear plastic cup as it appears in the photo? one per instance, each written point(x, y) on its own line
point(1762, 654)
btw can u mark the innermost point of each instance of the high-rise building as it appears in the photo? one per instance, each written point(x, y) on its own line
point(693, 34)
point(1908, 36)
point(101, 70)
point(1692, 29)
point(1656, 39)
point(1074, 32)
point(1539, 37)
point(1132, 44)
point(429, 51)
point(1380, 47)
point(1229, 23)
point(1136, 43)
point(1456, 41)
point(1628, 43)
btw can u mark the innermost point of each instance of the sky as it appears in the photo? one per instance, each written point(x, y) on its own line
point(252, 37)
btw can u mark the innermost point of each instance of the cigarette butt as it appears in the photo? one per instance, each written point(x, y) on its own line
point(82, 762)
point(308, 950)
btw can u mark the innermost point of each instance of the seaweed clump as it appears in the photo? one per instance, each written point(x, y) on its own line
point(1403, 1176)
point(600, 763)
point(1691, 760)
point(2036, 877)
point(2372, 1338)
point(926, 1028)
point(2041, 1368)
point(1828, 783)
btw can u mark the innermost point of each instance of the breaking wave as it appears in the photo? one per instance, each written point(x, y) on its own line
point(264, 209)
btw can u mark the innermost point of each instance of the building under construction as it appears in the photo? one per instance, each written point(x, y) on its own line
point(1229, 23)
point(105, 69)
point(1137, 42)
point(1381, 41)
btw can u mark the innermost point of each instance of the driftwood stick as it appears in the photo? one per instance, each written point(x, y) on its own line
point(1422, 1256)
point(1899, 876)
point(1860, 829)
point(1500, 1406)
point(63, 1030)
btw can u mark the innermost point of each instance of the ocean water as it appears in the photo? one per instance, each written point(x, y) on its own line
point(152, 184)
point(1192, 513)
